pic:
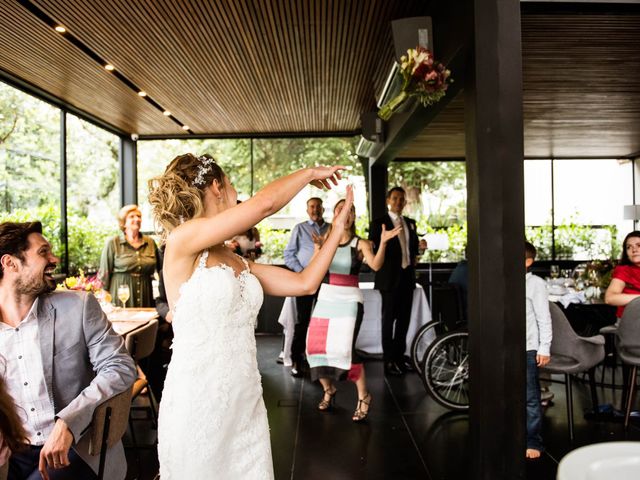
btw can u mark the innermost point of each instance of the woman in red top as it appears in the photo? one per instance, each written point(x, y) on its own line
point(625, 280)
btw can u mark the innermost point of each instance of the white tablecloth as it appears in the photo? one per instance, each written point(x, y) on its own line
point(370, 337)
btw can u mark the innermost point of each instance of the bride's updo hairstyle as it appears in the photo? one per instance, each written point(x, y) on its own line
point(178, 194)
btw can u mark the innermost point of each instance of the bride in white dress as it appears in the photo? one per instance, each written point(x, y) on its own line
point(213, 422)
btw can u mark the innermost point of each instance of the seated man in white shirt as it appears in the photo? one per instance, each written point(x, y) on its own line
point(60, 359)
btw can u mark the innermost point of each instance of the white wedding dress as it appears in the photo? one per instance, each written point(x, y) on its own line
point(213, 422)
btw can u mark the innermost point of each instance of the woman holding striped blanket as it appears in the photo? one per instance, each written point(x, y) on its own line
point(338, 313)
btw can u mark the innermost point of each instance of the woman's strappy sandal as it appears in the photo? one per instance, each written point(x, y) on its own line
point(360, 415)
point(326, 405)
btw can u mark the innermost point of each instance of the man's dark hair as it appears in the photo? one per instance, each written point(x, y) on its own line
point(529, 251)
point(396, 189)
point(14, 238)
point(318, 199)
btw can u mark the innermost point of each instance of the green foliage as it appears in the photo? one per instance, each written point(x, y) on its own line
point(276, 157)
point(29, 150)
point(575, 242)
point(540, 237)
point(234, 156)
point(273, 241)
point(86, 241)
point(443, 183)
point(362, 225)
point(272, 158)
point(92, 170)
point(457, 236)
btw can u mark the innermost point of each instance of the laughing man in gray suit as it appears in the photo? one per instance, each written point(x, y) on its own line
point(60, 359)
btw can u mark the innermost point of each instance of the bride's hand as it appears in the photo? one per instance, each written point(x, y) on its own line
point(318, 240)
point(324, 176)
point(340, 220)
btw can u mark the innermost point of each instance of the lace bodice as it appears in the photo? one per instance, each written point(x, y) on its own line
point(224, 301)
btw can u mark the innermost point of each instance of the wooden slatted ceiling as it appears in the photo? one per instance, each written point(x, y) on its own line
point(581, 91)
point(36, 53)
point(235, 67)
point(229, 67)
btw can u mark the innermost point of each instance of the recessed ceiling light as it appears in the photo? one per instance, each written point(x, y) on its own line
point(60, 29)
point(185, 127)
point(142, 93)
point(166, 113)
point(109, 67)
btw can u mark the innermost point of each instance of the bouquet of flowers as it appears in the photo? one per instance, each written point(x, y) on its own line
point(423, 78)
point(87, 284)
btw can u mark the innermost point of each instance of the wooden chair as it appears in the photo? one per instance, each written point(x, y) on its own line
point(108, 426)
point(140, 344)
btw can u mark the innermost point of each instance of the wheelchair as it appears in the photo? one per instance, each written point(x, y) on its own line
point(440, 350)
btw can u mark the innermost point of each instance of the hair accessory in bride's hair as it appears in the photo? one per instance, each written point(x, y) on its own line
point(204, 168)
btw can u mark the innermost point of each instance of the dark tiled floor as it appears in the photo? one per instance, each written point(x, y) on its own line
point(408, 435)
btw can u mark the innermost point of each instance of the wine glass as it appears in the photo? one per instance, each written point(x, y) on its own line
point(554, 271)
point(123, 294)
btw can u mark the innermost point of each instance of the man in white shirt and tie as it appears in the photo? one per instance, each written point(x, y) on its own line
point(396, 280)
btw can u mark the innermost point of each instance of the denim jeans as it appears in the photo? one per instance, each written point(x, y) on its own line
point(24, 466)
point(534, 409)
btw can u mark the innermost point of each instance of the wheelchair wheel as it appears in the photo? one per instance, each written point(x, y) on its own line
point(445, 370)
point(424, 337)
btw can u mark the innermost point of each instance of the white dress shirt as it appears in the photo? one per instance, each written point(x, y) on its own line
point(539, 331)
point(21, 367)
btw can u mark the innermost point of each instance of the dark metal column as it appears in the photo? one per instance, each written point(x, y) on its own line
point(378, 179)
point(64, 231)
point(495, 176)
point(128, 171)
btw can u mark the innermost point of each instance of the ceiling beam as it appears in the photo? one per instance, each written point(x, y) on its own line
point(340, 134)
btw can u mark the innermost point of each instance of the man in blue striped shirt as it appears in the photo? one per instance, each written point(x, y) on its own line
point(297, 255)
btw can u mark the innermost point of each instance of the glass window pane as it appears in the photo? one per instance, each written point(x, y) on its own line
point(437, 200)
point(537, 206)
point(30, 161)
point(154, 156)
point(272, 158)
point(589, 198)
point(93, 194)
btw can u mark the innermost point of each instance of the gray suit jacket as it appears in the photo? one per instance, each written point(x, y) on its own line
point(85, 363)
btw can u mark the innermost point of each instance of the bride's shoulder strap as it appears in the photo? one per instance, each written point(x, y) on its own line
point(203, 258)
